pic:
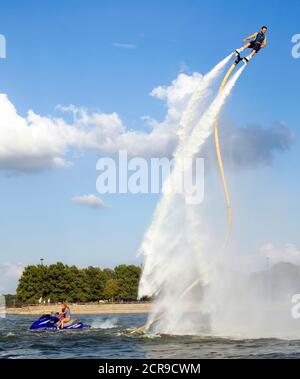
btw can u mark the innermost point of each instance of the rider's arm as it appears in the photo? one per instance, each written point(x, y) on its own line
point(250, 37)
point(67, 311)
point(264, 44)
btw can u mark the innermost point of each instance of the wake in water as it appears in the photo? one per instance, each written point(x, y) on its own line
point(174, 254)
point(108, 323)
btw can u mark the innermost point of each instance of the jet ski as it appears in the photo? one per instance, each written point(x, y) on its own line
point(50, 322)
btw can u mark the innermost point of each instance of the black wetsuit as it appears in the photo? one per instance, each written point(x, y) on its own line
point(257, 42)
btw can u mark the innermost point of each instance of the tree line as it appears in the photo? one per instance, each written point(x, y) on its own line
point(58, 282)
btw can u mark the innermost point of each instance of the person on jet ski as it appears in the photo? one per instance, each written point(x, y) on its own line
point(259, 41)
point(65, 315)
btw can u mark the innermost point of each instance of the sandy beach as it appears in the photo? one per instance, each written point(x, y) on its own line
point(83, 309)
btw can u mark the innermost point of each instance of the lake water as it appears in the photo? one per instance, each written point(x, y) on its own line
point(109, 338)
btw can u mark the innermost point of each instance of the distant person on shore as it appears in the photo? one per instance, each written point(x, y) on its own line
point(65, 315)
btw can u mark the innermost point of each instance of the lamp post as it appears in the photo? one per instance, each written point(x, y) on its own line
point(42, 284)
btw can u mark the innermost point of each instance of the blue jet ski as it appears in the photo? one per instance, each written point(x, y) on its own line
point(50, 322)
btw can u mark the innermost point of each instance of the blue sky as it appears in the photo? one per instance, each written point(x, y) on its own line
point(108, 56)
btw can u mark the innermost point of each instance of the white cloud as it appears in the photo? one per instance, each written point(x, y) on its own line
point(254, 145)
point(177, 94)
point(288, 253)
point(91, 201)
point(9, 276)
point(124, 45)
point(11, 270)
point(266, 256)
point(36, 142)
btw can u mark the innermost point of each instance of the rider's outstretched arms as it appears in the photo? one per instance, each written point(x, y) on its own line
point(250, 37)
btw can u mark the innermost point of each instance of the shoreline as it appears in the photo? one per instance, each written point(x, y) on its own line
point(79, 309)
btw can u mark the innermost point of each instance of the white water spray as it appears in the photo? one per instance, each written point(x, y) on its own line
point(196, 288)
point(163, 215)
point(171, 262)
point(195, 107)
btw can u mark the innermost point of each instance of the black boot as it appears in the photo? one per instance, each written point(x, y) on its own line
point(238, 59)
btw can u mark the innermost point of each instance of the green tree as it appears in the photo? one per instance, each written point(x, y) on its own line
point(58, 283)
point(79, 289)
point(128, 277)
point(31, 284)
point(111, 289)
point(11, 300)
point(95, 280)
point(62, 282)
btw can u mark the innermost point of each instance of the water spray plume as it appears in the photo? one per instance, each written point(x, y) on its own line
point(170, 261)
point(192, 113)
point(162, 213)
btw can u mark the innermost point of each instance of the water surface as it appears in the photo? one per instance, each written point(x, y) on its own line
point(109, 338)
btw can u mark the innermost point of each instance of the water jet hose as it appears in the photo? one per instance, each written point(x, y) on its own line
point(142, 328)
point(220, 163)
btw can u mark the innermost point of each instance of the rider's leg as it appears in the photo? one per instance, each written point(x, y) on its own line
point(65, 320)
point(251, 55)
point(241, 49)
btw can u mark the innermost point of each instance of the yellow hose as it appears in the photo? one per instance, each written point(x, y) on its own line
point(220, 163)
